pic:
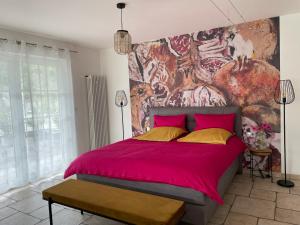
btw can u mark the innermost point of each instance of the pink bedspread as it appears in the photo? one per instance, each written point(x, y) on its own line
point(192, 165)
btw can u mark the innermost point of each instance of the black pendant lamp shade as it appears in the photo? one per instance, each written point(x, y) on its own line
point(284, 94)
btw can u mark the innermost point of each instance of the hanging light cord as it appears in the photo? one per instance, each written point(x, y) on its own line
point(121, 19)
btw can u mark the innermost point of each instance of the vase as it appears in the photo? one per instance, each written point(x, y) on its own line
point(261, 140)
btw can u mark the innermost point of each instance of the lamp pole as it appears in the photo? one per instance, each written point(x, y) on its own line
point(284, 101)
point(285, 182)
point(122, 119)
point(284, 94)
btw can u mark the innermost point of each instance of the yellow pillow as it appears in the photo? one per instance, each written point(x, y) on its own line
point(161, 134)
point(208, 136)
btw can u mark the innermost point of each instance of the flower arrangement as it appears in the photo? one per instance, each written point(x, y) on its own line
point(263, 127)
point(263, 131)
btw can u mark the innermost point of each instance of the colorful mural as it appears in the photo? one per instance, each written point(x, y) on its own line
point(236, 65)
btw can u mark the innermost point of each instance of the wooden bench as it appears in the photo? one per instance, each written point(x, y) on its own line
point(118, 204)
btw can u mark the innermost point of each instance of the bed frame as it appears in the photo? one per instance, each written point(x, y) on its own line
point(198, 207)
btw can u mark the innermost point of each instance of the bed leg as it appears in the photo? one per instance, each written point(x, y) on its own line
point(240, 169)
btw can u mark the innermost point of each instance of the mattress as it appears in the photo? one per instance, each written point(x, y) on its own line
point(188, 195)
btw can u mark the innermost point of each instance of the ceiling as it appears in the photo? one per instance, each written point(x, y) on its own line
point(93, 22)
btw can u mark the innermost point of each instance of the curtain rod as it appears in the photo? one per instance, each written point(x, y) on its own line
point(35, 44)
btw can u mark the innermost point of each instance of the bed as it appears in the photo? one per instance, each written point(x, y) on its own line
point(199, 207)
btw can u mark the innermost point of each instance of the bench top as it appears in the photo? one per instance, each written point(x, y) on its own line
point(120, 204)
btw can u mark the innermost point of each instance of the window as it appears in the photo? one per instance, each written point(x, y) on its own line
point(37, 132)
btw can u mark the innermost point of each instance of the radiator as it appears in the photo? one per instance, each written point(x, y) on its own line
point(97, 111)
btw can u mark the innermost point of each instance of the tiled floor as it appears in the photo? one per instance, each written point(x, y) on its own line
point(259, 203)
point(246, 203)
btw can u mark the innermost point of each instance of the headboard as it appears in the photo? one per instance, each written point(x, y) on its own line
point(190, 111)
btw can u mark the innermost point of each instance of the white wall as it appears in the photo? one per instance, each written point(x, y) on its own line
point(115, 68)
point(289, 69)
point(87, 61)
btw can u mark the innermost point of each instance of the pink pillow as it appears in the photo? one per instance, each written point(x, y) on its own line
point(225, 121)
point(170, 121)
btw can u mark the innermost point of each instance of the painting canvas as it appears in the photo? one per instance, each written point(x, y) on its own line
point(235, 65)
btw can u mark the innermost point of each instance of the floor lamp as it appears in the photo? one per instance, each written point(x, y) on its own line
point(284, 94)
point(121, 101)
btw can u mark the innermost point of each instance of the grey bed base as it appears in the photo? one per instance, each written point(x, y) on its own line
point(198, 207)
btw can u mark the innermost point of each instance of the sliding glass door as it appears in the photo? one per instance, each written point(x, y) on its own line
point(37, 132)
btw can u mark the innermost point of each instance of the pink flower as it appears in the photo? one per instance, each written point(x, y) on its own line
point(254, 128)
point(265, 127)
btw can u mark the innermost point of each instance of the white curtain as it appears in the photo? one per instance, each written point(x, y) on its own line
point(37, 129)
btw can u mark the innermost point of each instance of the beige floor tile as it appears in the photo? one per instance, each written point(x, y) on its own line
point(220, 214)
point(66, 217)
point(4, 201)
point(295, 190)
point(277, 175)
point(240, 219)
point(288, 201)
point(296, 182)
point(265, 184)
point(29, 205)
point(294, 177)
point(286, 215)
point(6, 212)
point(20, 195)
point(263, 194)
point(244, 178)
point(254, 207)
point(228, 199)
point(270, 222)
point(43, 213)
point(242, 189)
point(19, 219)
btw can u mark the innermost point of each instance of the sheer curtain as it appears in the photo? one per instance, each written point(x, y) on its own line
point(37, 129)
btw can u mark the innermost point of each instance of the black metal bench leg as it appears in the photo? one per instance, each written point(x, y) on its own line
point(81, 211)
point(50, 211)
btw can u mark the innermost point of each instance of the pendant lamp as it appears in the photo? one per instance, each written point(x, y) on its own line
point(122, 38)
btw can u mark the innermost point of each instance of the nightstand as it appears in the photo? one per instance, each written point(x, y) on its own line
point(267, 152)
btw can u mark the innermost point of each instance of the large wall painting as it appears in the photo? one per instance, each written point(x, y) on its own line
point(235, 65)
